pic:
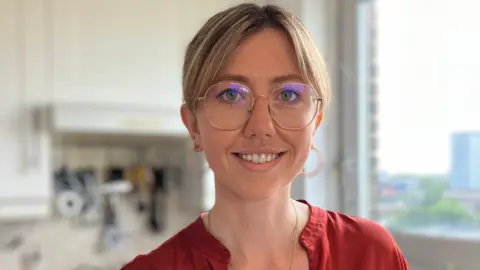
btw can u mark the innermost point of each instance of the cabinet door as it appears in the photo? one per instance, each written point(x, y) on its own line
point(24, 169)
point(117, 52)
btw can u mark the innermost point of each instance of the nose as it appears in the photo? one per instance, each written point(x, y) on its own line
point(260, 123)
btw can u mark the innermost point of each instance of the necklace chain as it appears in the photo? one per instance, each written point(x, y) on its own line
point(292, 244)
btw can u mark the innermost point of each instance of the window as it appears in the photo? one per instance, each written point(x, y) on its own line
point(416, 123)
point(428, 116)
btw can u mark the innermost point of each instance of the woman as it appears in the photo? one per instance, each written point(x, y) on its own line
point(255, 89)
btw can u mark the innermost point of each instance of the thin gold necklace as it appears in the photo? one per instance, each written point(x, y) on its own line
point(292, 244)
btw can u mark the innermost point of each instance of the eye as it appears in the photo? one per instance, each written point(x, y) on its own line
point(288, 95)
point(229, 94)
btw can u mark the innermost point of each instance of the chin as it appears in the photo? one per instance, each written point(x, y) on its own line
point(255, 188)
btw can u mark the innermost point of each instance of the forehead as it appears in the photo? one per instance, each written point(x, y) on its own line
point(265, 55)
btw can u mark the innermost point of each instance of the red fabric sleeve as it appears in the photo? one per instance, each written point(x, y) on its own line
point(382, 251)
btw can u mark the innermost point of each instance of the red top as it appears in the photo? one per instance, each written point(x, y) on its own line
point(333, 242)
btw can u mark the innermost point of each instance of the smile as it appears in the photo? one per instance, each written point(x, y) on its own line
point(259, 158)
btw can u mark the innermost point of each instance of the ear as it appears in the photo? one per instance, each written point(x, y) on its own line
point(190, 121)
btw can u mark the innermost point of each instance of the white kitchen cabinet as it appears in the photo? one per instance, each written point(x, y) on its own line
point(24, 152)
point(117, 52)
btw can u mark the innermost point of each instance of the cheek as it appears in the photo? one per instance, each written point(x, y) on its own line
point(214, 147)
point(301, 142)
point(308, 143)
point(215, 143)
point(302, 150)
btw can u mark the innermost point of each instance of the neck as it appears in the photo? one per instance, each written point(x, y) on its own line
point(255, 230)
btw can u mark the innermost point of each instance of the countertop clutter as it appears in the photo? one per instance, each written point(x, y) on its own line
point(59, 244)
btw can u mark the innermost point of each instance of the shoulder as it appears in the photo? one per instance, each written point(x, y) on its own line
point(379, 247)
point(359, 228)
point(167, 256)
point(338, 226)
point(367, 241)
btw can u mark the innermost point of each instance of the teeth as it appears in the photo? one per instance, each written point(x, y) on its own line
point(258, 157)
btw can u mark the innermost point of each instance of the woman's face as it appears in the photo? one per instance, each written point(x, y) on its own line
point(239, 158)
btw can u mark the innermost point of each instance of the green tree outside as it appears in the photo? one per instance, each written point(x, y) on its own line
point(434, 209)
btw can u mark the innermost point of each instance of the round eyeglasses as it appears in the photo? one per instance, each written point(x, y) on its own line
point(228, 106)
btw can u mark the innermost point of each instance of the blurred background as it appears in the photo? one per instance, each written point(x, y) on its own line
point(96, 166)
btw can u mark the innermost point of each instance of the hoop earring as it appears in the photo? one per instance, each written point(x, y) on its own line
point(318, 167)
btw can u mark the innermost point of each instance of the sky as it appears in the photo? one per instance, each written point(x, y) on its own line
point(429, 81)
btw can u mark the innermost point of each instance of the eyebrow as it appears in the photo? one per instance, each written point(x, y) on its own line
point(244, 79)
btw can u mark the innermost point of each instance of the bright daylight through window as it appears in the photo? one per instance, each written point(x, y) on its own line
point(427, 116)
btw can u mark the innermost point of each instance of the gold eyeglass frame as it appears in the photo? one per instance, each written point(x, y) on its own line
point(252, 106)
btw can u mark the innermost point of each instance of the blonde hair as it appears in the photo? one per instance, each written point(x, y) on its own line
point(212, 46)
